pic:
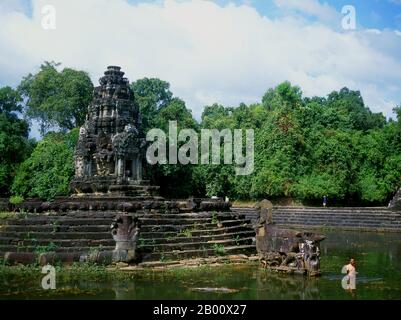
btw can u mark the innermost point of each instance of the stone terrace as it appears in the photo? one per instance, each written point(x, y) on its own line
point(163, 236)
point(355, 218)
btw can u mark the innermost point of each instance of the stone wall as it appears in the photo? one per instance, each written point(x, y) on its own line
point(362, 218)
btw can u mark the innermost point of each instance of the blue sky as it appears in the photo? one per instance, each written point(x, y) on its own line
point(214, 51)
point(374, 14)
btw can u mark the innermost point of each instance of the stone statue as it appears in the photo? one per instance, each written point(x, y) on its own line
point(79, 166)
point(286, 250)
point(395, 203)
point(125, 231)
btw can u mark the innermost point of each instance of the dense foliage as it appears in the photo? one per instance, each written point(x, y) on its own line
point(57, 99)
point(50, 168)
point(158, 106)
point(305, 148)
point(14, 143)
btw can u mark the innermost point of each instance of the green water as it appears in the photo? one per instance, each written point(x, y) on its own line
point(378, 259)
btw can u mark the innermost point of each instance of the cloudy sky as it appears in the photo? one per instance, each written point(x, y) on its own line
point(214, 51)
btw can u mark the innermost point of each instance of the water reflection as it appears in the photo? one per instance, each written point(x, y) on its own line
point(378, 259)
point(280, 287)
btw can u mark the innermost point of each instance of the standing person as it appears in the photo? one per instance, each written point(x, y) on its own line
point(324, 201)
point(350, 270)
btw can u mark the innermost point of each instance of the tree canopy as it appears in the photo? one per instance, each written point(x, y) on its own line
point(57, 99)
point(50, 168)
point(14, 143)
point(305, 147)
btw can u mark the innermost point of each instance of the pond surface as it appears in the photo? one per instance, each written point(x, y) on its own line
point(378, 258)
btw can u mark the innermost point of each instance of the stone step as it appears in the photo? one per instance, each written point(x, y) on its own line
point(344, 227)
point(57, 242)
point(61, 221)
point(319, 213)
point(166, 256)
point(204, 238)
point(106, 228)
point(359, 216)
point(186, 234)
point(107, 239)
point(144, 228)
point(380, 210)
point(332, 215)
point(325, 218)
point(180, 246)
point(322, 223)
point(178, 228)
point(86, 246)
point(187, 254)
point(331, 208)
point(112, 214)
point(49, 228)
point(106, 234)
point(140, 214)
point(337, 218)
point(11, 248)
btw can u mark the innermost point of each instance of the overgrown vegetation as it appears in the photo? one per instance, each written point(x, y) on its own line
point(51, 247)
point(7, 215)
point(48, 171)
point(219, 249)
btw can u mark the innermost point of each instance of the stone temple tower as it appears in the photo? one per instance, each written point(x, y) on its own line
point(109, 154)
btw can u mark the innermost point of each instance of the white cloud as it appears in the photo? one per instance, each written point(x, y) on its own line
point(314, 8)
point(208, 53)
point(11, 6)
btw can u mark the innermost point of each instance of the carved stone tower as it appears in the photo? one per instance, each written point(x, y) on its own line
point(109, 154)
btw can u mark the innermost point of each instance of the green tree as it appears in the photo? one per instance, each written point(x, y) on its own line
point(152, 95)
point(357, 116)
point(50, 168)
point(57, 99)
point(158, 106)
point(14, 143)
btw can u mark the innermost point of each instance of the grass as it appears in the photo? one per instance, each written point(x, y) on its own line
point(244, 203)
point(219, 249)
point(7, 215)
point(215, 219)
point(237, 239)
point(55, 226)
point(51, 247)
point(141, 242)
point(185, 233)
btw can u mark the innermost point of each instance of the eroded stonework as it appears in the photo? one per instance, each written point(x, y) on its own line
point(395, 203)
point(109, 154)
point(286, 250)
